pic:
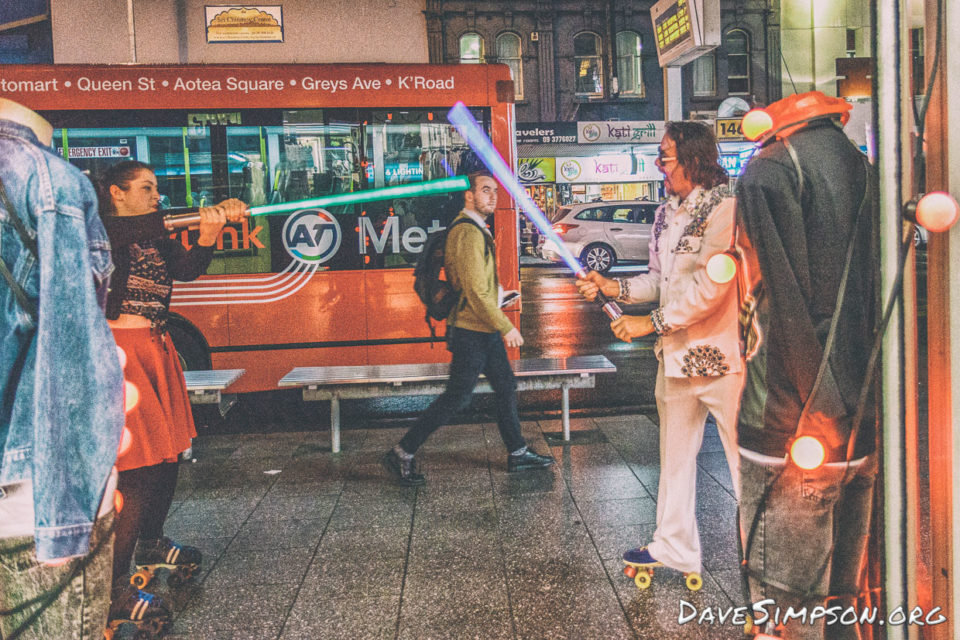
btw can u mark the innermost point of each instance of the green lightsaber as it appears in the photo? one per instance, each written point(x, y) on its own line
point(418, 189)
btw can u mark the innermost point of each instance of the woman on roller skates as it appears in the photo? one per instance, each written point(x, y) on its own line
point(161, 425)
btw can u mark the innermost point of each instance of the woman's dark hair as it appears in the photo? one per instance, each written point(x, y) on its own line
point(697, 153)
point(119, 174)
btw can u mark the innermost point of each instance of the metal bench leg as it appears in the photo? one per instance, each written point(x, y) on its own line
point(335, 424)
point(565, 410)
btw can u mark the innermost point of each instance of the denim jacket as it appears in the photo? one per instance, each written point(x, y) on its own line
point(61, 409)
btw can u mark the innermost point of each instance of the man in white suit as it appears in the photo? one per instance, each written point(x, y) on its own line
point(698, 345)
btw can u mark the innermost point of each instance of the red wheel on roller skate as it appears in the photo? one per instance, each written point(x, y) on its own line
point(630, 572)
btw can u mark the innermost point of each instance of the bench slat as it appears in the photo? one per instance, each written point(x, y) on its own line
point(211, 379)
point(382, 374)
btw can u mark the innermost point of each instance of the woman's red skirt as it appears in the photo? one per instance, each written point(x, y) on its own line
point(161, 423)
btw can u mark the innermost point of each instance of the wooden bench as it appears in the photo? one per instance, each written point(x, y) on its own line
point(374, 381)
point(206, 387)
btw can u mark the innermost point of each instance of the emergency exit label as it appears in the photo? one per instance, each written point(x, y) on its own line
point(96, 152)
point(729, 129)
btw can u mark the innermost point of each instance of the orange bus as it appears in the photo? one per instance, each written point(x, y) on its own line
point(314, 287)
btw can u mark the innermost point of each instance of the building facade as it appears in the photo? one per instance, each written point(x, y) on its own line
point(589, 88)
point(596, 60)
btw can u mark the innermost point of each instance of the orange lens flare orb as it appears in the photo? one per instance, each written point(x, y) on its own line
point(131, 396)
point(123, 357)
point(807, 452)
point(721, 268)
point(755, 123)
point(118, 501)
point(937, 211)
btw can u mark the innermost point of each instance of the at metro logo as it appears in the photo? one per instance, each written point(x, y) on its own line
point(412, 239)
point(311, 236)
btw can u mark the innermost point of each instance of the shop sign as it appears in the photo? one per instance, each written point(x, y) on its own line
point(536, 170)
point(735, 162)
point(729, 129)
point(85, 153)
point(607, 168)
point(620, 131)
point(546, 132)
point(259, 23)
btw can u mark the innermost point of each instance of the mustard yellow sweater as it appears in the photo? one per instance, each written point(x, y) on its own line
point(471, 268)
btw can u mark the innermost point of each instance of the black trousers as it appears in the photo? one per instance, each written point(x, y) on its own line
point(473, 353)
point(147, 496)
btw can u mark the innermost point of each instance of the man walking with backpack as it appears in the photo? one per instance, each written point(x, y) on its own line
point(477, 333)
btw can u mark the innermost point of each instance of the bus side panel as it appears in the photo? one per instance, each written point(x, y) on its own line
point(394, 312)
point(326, 310)
point(264, 369)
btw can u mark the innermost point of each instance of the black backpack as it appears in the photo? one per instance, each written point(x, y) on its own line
point(438, 296)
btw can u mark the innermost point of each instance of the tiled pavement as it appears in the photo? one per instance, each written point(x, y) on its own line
point(300, 543)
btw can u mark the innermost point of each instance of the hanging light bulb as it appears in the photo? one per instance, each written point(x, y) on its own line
point(807, 453)
point(118, 501)
point(722, 267)
point(755, 123)
point(937, 211)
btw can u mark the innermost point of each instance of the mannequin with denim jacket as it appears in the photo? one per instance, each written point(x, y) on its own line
point(56, 511)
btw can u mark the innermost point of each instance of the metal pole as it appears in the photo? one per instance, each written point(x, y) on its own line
point(889, 97)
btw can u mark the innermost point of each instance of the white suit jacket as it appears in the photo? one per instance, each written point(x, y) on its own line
point(696, 322)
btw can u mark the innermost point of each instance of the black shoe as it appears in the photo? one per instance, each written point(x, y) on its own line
point(529, 459)
point(402, 469)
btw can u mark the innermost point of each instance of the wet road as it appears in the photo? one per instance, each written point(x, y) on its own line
point(555, 322)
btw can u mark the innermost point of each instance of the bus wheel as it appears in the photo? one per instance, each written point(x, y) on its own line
point(191, 347)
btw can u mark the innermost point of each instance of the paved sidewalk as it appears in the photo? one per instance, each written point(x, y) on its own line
point(300, 543)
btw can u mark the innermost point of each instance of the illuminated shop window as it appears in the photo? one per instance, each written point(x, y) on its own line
point(509, 53)
point(471, 48)
point(588, 64)
point(629, 70)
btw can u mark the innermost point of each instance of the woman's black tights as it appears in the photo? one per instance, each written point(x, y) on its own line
point(147, 496)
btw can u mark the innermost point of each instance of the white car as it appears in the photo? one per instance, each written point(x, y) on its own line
point(601, 234)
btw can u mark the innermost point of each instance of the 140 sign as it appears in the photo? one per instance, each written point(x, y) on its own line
point(729, 129)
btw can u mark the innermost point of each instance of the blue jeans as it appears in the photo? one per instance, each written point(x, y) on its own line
point(80, 610)
point(810, 539)
point(473, 353)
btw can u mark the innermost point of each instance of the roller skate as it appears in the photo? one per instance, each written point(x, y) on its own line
point(640, 565)
point(146, 611)
point(182, 561)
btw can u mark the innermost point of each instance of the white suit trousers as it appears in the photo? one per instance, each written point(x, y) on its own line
point(683, 404)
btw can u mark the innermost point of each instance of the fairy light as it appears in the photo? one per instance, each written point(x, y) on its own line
point(937, 211)
point(721, 268)
point(755, 123)
point(807, 453)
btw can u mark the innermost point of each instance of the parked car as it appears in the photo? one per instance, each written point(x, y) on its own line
point(601, 234)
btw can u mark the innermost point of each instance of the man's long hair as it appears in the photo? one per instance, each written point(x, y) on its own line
point(697, 153)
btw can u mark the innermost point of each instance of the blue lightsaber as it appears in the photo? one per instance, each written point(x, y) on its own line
point(465, 123)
